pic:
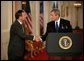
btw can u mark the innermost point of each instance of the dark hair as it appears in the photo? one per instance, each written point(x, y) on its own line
point(18, 13)
point(56, 11)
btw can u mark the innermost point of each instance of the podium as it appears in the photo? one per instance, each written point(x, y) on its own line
point(63, 44)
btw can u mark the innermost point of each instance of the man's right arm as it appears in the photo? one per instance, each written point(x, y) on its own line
point(45, 35)
point(21, 34)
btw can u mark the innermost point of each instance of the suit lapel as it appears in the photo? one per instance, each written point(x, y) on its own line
point(20, 26)
point(61, 26)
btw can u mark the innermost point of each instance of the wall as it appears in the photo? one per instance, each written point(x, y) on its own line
point(72, 13)
point(6, 21)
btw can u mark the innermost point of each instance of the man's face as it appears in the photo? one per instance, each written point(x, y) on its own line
point(24, 15)
point(54, 16)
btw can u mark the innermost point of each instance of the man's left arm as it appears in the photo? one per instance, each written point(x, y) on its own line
point(69, 27)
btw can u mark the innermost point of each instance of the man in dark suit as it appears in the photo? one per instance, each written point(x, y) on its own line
point(17, 37)
point(57, 24)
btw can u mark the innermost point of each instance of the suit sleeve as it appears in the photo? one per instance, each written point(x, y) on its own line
point(45, 35)
point(21, 34)
point(69, 27)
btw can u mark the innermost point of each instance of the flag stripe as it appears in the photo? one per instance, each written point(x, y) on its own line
point(28, 27)
point(41, 23)
point(41, 19)
point(29, 21)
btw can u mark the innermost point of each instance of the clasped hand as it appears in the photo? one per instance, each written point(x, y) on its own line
point(38, 38)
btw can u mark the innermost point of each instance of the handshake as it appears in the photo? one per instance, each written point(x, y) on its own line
point(37, 38)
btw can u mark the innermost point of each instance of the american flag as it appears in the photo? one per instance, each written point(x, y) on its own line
point(28, 20)
point(41, 18)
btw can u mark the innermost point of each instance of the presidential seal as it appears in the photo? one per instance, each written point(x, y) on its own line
point(65, 42)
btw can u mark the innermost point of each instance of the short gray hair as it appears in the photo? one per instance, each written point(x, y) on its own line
point(56, 11)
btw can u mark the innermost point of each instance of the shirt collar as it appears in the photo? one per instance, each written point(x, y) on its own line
point(58, 20)
point(19, 21)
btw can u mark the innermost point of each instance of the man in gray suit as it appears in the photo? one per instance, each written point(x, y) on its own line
point(17, 37)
